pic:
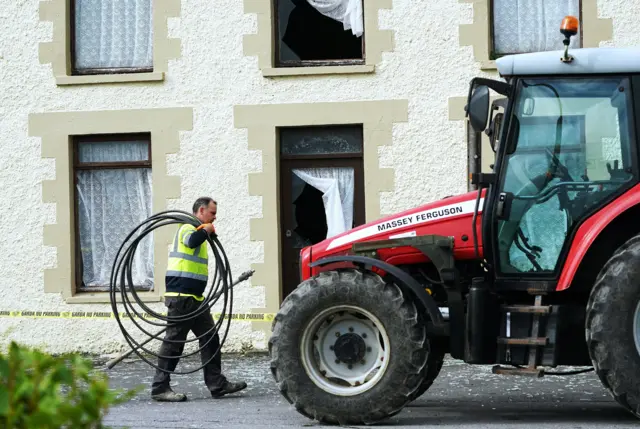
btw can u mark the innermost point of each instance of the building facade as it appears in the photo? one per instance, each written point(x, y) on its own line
point(302, 118)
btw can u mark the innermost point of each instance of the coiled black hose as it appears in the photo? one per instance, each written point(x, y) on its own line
point(121, 286)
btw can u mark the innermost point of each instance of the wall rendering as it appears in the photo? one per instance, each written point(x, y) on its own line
point(211, 59)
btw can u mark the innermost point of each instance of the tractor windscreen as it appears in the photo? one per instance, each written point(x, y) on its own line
point(569, 148)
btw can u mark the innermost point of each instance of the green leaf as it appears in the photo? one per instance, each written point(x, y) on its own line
point(4, 401)
point(53, 391)
point(4, 368)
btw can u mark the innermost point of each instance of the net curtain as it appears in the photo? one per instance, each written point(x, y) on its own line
point(337, 187)
point(521, 26)
point(349, 12)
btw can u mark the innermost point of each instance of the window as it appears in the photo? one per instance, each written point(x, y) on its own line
point(319, 32)
point(520, 26)
point(572, 153)
point(112, 195)
point(111, 36)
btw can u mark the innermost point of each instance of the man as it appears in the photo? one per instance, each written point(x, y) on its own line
point(186, 280)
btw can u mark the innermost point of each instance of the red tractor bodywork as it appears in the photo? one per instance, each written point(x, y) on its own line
point(589, 231)
point(456, 225)
point(451, 217)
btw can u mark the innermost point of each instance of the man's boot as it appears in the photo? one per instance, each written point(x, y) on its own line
point(228, 388)
point(169, 396)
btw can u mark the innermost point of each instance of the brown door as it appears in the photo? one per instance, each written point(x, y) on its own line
point(302, 210)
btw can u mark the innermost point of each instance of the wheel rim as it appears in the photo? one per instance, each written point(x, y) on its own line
point(345, 350)
point(636, 327)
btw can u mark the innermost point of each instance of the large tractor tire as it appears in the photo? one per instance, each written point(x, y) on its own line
point(348, 348)
point(431, 370)
point(613, 325)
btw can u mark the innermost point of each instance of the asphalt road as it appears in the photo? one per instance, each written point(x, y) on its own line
point(463, 396)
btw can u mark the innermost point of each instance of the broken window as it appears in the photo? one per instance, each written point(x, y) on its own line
point(319, 32)
point(520, 26)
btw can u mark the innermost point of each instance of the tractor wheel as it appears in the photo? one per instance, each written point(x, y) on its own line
point(613, 325)
point(435, 361)
point(347, 348)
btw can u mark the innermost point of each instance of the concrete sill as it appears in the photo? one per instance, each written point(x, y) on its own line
point(488, 65)
point(103, 298)
point(309, 71)
point(109, 78)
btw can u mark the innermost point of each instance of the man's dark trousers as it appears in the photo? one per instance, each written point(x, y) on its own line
point(180, 306)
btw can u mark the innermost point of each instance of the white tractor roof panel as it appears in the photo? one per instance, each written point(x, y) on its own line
point(585, 61)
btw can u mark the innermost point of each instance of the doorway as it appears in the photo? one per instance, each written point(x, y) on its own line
point(321, 190)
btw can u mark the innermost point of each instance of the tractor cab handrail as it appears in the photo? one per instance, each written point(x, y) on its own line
point(549, 192)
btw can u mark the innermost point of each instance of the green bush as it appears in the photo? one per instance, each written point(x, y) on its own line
point(38, 390)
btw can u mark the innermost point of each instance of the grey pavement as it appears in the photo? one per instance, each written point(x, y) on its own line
point(463, 396)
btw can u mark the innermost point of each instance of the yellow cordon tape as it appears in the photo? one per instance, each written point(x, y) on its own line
point(252, 317)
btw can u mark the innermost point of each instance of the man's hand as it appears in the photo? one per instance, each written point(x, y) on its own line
point(207, 227)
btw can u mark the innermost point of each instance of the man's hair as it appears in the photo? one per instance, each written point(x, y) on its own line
point(203, 202)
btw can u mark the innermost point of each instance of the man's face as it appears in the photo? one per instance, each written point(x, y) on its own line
point(207, 214)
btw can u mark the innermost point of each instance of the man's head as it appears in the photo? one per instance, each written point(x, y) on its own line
point(205, 209)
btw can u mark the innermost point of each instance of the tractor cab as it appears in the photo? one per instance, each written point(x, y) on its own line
point(565, 147)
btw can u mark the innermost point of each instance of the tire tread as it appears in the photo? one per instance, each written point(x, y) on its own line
point(599, 337)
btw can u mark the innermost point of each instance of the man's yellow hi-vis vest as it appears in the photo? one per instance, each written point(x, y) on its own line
point(186, 262)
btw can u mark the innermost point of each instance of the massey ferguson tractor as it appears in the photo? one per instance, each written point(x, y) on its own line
point(536, 268)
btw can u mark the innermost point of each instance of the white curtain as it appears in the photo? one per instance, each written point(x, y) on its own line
point(111, 203)
point(337, 187)
point(348, 12)
point(113, 34)
point(521, 26)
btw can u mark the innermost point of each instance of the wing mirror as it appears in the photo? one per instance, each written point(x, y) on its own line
point(494, 130)
point(495, 122)
point(478, 108)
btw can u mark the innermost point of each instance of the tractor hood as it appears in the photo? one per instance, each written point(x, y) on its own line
point(451, 216)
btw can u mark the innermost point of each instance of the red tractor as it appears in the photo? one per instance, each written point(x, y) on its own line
point(538, 268)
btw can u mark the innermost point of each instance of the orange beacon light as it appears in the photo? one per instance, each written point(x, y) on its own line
point(569, 26)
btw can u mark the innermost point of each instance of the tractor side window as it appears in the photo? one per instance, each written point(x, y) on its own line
point(570, 151)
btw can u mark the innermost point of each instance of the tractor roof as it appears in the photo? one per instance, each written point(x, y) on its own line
point(586, 61)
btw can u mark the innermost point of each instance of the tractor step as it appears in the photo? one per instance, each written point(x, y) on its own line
point(523, 341)
point(535, 341)
point(526, 372)
point(531, 309)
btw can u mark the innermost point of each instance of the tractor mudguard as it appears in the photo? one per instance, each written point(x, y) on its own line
point(405, 281)
point(589, 231)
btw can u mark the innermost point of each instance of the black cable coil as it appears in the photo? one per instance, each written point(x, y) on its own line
point(122, 282)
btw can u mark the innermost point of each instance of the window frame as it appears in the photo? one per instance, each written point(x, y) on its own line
point(54, 131)
point(261, 44)
point(97, 71)
point(477, 33)
point(86, 166)
point(279, 64)
point(57, 52)
point(492, 49)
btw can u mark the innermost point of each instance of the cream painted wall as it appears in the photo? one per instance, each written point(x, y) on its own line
point(427, 67)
